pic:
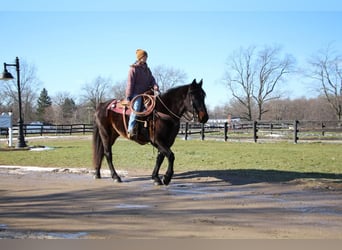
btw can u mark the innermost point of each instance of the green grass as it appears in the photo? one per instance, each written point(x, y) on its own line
point(193, 155)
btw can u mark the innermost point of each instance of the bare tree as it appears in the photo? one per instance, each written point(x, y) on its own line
point(168, 77)
point(119, 89)
point(240, 79)
point(326, 69)
point(271, 69)
point(96, 91)
point(29, 84)
point(253, 77)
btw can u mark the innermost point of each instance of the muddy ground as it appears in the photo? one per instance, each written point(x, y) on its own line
point(205, 204)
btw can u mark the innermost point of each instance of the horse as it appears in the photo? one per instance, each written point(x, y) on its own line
point(163, 126)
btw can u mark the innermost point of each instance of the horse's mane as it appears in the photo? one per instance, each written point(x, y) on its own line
point(173, 91)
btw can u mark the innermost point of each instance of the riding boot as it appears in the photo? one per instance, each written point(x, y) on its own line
point(133, 134)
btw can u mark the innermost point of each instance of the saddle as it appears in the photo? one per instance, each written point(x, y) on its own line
point(120, 107)
point(141, 129)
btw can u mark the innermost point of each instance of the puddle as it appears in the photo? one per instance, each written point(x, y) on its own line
point(199, 192)
point(132, 206)
point(6, 233)
point(61, 235)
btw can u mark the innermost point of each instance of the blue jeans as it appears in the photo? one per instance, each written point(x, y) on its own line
point(137, 106)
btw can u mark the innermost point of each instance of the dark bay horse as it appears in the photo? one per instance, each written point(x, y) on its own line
point(162, 128)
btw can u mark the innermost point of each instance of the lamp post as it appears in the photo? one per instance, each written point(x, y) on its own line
point(8, 76)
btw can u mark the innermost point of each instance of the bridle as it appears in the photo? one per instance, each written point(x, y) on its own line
point(188, 118)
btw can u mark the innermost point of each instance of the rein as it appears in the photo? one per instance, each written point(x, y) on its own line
point(175, 115)
point(170, 111)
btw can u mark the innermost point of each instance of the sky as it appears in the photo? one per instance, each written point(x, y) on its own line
point(71, 42)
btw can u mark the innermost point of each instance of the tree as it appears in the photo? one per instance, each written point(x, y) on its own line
point(43, 103)
point(271, 70)
point(168, 77)
point(96, 91)
point(29, 84)
point(119, 89)
point(240, 79)
point(59, 107)
point(252, 77)
point(326, 69)
point(68, 109)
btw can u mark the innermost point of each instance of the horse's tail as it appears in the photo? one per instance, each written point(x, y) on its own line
point(98, 149)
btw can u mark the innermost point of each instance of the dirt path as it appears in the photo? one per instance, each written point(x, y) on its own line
point(50, 204)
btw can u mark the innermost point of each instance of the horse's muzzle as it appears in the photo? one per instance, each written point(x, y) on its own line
point(203, 117)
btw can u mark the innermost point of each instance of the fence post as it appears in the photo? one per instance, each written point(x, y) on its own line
point(255, 131)
point(225, 131)
point(202, 131)
point(295, 131)
point(323, 126)
point(186, 130)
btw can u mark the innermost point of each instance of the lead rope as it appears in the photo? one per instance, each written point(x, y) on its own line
point(124, 119)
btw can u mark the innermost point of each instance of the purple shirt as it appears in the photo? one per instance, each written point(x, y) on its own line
point(140, 80)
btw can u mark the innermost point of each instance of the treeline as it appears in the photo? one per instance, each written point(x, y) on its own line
point(253, 76)
point(313, 109)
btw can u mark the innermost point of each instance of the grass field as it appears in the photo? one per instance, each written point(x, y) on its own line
point(193, 155)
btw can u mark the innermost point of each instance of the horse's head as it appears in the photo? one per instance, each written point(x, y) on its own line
point(197, 101)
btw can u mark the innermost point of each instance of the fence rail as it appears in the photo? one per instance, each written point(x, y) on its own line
point(265, 130)
point(38, 129)
point(247, 130)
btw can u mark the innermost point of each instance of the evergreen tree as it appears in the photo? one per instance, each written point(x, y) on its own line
point(68, 109)
point(44, 101)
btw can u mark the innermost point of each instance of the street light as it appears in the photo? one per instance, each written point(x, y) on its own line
point(8, 76)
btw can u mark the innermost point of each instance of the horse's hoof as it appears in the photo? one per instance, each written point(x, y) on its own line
point(157, 181)
point(97, 177)
point(166, 180)
point(117, 180)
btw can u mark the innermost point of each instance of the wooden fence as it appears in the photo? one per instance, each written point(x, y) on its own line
point(264, 130)
point(237, 131)
point(39, 129)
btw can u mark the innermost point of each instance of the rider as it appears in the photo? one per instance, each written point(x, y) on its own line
point(140, 80)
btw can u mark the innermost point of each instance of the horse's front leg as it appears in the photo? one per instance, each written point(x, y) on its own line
point(155, 173)
point(169, 173)
point(114, 175)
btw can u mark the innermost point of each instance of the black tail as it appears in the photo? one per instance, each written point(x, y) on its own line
point(98, 150)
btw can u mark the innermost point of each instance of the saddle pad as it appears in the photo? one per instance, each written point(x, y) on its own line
point(117, 107)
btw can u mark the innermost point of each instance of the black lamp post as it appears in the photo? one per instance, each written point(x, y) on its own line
point(8, 76)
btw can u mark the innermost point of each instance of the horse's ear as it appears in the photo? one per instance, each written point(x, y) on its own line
point(200, 83)
point(194, 82)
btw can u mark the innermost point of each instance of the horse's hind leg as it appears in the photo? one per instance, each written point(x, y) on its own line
point(109, 157)
point(108, 137)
